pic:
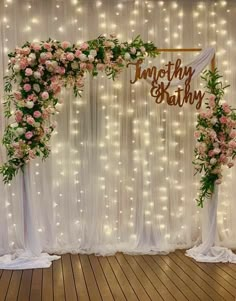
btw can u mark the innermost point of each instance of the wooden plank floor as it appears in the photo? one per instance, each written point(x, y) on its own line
point(121, 277)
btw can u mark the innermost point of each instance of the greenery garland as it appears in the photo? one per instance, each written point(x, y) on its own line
point(216, 136)
point(37, 71)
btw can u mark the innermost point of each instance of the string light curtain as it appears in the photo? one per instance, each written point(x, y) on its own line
point(120, 176)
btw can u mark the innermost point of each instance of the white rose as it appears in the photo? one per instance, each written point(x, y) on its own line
point(32, 56)
point(213, 161)
point(83, 57)
point(29, 104)
point(20, 131)
point(16, 67)
point(213, 120)
point(112, 45)
point(36, 87)
point(93, 52)
point(43, 55)
point(127, 56)
point(54, 64)
point(37, 124)
point(74, 65)
point(91, 58)
point(37, 74)
point(58, 107)
point(14, 125)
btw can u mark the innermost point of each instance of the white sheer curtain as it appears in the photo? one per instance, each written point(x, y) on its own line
point(120, 175)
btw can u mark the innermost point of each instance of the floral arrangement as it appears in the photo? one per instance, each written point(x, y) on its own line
point(216, 137)
point(37, 71)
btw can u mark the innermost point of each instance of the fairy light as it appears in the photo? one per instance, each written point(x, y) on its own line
point(146, 138)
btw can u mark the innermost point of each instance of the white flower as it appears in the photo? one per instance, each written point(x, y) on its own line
point(36, 88)
point(20, 131)
point(127, 56)
point(58, 107)
point(142, 48)
point(83, 57)
point(43, 55)
point(93, 52)
point(37, 124)
point(37, 74)
point(54, 64)
point(75, 65)
point(213, 120)
point(32, 56)
point(91, 58)
point(29, 104)
point(14, 125)
point(213, 161)
point(16, 67)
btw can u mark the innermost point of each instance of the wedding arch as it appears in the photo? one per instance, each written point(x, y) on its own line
point(39, 70)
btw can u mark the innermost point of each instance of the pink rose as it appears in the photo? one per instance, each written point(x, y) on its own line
point(27, 87)
point(36, 46)
point(226, 108)
point(47, 46)
point(216, 151)
point(83, 66)
point(223, 159)
point(212, 134)
point(28, 135)
point(70, 56)
point(223, 120)
point(45, 95)
point(30, 120)
point(37, 114)
point(212, 102)
point(62, 70)
point(65, 44)
point(77, 53)
point(211, 153)
point(23, 63)
point(212, 97)
point(32, 154)
point(18, 95)
point(232, 144)
point(90, 67)
point(28, 72)
point(84, 46)
point(18, 116)
point(197, 134)
point(232, 134)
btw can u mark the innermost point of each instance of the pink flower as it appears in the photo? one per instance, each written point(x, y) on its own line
point(18, 116)
point(83, 66)
point(30, 120)
point(62, 70)
point(232, 144)
point(28, 135)
point(212, 134)
point(84, 46)
point(28, 71)
point(70, 56)
point(197, 134)
point(211, 153)
point(212, 97)
point(27, 87)
point(216, 151)
point(45, 95)
point(223, 120)
point(77, 53)
point(24, 63)
point(90, 67)
point(223, 159)
point(65, 44)
point(47, 46)
point(18, 95)
point(37, 114)
point(212, 103)
point(232, 134)
point(36, 47)
point(32, 154)
point(226, 108)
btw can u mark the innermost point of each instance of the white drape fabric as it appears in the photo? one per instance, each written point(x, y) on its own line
point(120, 176)
point(208, 250)
point(198, 64)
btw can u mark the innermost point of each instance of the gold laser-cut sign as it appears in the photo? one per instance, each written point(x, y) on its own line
point(159, 88)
